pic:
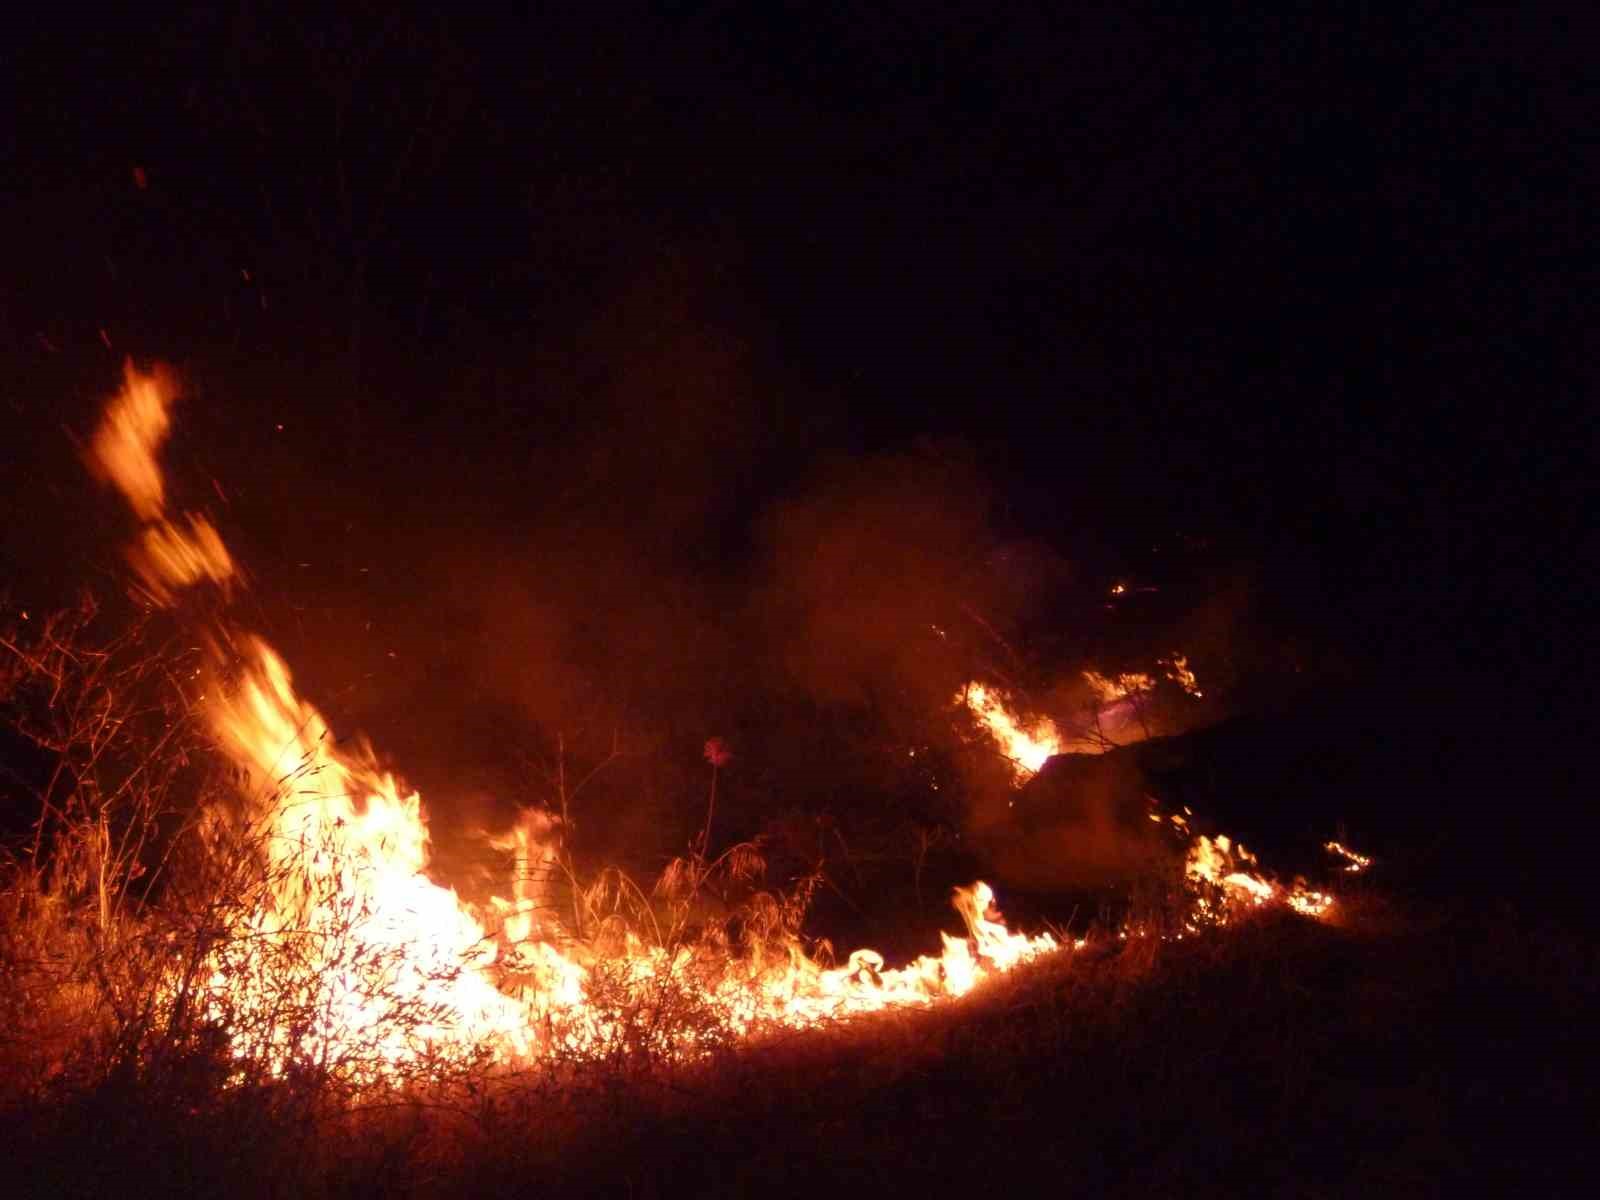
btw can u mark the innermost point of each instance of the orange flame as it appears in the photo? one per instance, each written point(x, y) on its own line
point(348, 847)
point(1227, 865)
point(1028, 747)
point(123, 453)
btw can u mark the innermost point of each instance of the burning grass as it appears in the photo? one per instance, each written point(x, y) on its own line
point(210, 986)
point(1280, 1056)
point(287, 932)
point(183, 943)
point(225, 958)
point(155, 1031)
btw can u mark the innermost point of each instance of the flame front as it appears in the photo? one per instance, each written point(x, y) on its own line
point(1228, 866)
point(347, 850)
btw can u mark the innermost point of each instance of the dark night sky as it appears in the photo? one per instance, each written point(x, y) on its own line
point(1314, 288)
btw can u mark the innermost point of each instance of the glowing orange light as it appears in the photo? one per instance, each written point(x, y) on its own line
point(1027, 746)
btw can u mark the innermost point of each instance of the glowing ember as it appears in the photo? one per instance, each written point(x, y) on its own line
point(1027, 747)
point(1308, 903)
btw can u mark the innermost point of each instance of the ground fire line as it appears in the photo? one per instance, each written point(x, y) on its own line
point(399, 969)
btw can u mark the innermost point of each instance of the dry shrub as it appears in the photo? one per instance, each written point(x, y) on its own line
point(135, 956)
point(133, 953)
point(120, 762)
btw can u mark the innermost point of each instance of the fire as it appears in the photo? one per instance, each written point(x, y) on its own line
point(1027, 747)
point(348, 846)
point(1178, 671)
point(1222, 873)
point(1109, 690)
point(388, 966)
point(1218, 861)
point(371, 966)
point(1353, 863)
point(123, 452)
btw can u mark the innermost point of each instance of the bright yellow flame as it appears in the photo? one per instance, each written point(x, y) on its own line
point(1178, 671)
point(1028, 747)
point(1308, 903)
point(347, 848)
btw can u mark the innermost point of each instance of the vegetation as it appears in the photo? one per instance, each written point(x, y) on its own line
point(1278, 1055)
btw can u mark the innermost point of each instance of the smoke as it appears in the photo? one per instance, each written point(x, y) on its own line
point(864, 588)
point(558, 589)
point(559, 585)
point(869, 569)
point(1082, 822)
point(602, 635)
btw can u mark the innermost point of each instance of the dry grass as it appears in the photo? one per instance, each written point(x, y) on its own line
point(1395, 1048)
point(1279, 1056)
